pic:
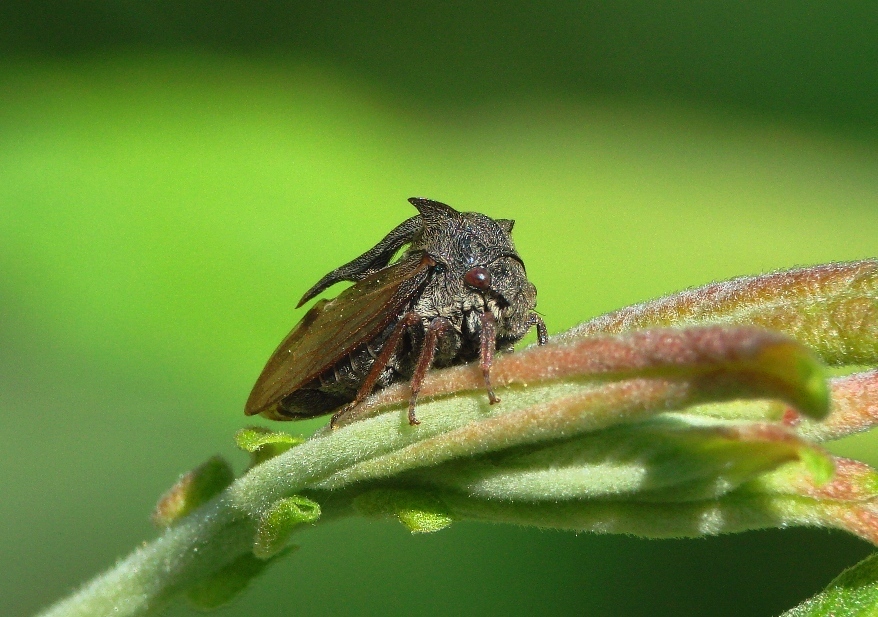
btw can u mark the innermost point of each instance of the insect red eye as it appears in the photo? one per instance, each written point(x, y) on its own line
point(478, 277)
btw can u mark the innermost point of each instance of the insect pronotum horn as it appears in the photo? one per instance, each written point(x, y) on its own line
point(433, 213)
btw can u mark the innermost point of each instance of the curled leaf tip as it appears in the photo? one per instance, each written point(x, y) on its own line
point(802, 370)
point(279, 521)
point(193, 489)
point(420, 511)
point(264, 444)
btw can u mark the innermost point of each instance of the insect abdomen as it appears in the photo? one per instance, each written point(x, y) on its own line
point(337, 385)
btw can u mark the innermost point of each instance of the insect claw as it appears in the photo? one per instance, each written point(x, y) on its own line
point(492, 398)
point(413, 420)
point(338, 415)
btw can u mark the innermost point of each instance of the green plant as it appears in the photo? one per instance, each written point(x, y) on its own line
point(696, 414)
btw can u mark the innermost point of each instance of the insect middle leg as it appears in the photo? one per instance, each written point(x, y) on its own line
point(425, 361)
point(408, 320)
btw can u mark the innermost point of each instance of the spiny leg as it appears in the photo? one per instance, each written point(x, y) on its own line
point(487, 342)
point(425, 361)
point(408, 320)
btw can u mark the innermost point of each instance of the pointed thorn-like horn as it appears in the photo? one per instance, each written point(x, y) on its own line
point(433, 212)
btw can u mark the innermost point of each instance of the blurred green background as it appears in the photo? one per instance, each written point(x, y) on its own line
point(172, 178)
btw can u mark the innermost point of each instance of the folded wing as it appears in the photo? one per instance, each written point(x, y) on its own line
point(334, 328)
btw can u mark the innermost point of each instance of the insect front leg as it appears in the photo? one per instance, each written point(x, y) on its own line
point(408, 320)
point(487, 343)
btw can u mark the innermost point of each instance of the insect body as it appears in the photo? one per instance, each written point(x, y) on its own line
point(457, 293)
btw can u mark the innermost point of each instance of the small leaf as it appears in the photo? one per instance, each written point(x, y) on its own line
point(193, 489)
point(225, 585)
point(419, 511)
point(722, 362)
point(584, 386)
point(263, 443)
point(279, 521)
point(831, 308)
point(854, 593)
point(684, 519)
point(853, 409)
point(669, 458)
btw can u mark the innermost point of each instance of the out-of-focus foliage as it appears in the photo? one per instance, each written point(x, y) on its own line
point(852, 594)
point(814, 60)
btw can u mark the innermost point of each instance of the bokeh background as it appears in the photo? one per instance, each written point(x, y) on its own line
point(174, 175)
